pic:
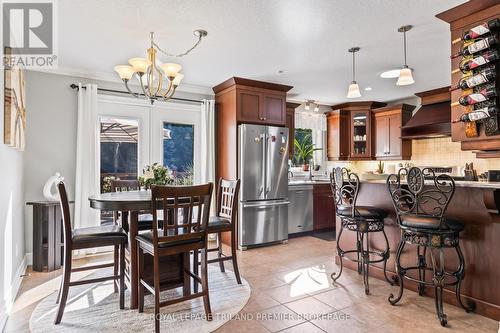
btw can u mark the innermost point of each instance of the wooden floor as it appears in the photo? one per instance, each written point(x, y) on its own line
point(292, 292)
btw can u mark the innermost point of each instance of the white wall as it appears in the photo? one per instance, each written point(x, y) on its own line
point(51, 134)
point(12, 262)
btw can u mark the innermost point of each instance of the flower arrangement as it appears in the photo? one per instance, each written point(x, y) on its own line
point(106, 183)
point(155, 174)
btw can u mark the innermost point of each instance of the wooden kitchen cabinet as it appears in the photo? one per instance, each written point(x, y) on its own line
point(349, 131)
point(253, 102)
point(290, 124)
point(323, 207)
point(387, 132)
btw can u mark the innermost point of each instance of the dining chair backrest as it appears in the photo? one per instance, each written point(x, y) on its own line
point(227, 198)
point(418, 198)
point(64, 202)
point(119, 185)
point(186, 210)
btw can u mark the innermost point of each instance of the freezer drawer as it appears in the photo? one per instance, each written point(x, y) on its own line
point(300, 209)
point(262, 222)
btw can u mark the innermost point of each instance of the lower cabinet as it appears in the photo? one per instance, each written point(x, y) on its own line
point(323, 207)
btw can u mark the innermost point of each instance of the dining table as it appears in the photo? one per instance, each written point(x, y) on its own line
point(131, 203)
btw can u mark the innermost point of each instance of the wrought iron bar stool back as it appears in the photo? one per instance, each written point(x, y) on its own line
point(360, 219)
point(420, 209)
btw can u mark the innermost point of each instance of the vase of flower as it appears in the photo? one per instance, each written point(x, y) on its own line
point(155, 174)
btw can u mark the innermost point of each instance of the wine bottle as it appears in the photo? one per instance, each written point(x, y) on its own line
point(476, 97)
point(478, 61)
point(477, 115)
point(479, 30)
point(479, 45)
point(485, 76)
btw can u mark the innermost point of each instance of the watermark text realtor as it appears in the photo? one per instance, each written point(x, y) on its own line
point(29, 36)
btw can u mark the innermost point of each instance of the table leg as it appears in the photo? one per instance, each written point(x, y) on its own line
point(132, 243)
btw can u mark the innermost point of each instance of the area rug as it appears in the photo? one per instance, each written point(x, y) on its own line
point(95, 308)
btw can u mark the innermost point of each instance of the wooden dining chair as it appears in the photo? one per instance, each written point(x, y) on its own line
point(225, 221)
point(186, 212)
point(85, 238)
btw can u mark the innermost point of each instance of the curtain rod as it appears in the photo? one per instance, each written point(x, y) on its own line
point(75, 86)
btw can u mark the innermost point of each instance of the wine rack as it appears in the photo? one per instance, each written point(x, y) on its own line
point(485, 133)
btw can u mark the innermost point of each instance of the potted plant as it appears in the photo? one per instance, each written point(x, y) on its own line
point(304, 151)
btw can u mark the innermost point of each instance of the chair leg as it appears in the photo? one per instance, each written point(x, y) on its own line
point(156, 278)
point(460, 276)
point(115, 266)
point(195, 269)
point(438, 280)
point(219, 251)
point(204, 284)
point(186, 286)
point(365, 260)
point(233, 255)
point(386, 255)
point(334, 276)
point(394, 299)
point(358, 248)
point(122, 275)
point(140, 293)
point(64, 285)
point(421, 270)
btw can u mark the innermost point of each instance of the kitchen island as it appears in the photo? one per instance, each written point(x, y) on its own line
point(476, 204)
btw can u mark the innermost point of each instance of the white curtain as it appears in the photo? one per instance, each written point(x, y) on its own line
point(86, 179)
point(208, 146)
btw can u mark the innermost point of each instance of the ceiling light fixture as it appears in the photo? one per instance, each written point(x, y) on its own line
point(353, 91)
point(153, 76)
point(310, 102)
point(405, 76)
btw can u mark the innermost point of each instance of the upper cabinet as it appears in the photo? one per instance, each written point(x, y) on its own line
point(387, 123)
point(254, 102)
point(350, 134)
point(290, 124)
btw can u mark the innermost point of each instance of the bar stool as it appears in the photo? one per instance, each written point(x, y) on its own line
point(420, 210)
point(361, 219)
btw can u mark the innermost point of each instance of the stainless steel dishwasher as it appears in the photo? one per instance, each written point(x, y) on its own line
point(300, 209)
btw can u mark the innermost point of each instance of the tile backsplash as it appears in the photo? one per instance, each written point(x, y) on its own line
point(432, 152)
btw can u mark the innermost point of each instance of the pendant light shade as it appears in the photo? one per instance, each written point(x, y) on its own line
point(405, 75)
point(353, 91)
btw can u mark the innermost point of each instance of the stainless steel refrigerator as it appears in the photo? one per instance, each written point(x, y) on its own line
point(263, 170)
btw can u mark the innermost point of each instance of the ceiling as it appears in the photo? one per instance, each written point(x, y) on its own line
point(257, 38)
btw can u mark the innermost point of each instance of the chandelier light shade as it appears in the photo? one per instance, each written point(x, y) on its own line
point(405, 75)
point(157, 81)
point(353, 91)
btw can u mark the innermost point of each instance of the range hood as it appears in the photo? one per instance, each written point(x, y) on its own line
point(433, 117)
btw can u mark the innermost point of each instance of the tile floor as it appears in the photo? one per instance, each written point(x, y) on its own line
point(291, 292)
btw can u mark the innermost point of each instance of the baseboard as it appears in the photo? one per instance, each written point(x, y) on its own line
point(29, 259)
point(11, 294)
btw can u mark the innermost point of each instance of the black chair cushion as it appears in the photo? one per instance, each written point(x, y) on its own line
point(98, 233)
point(217, 223)
point(147, 238)
point(429, 222)
point(362, 211)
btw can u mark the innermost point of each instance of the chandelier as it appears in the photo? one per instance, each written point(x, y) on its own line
point(158, 81)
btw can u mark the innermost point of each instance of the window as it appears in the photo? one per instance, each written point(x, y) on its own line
point(178, 151)
point(301, 134)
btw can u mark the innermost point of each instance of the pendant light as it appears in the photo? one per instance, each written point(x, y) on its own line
point(353, 91)
point(405, 76)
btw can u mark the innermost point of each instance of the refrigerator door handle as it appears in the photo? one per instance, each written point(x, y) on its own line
point(263, 205)
point(264, 165)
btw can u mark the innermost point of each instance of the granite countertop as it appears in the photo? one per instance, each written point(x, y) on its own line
point(298, 182)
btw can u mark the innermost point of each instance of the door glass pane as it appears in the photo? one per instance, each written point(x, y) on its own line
point(118, 139)
point(359, 135)
point(178, 151)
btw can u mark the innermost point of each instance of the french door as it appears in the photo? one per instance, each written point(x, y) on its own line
point(130, 134)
